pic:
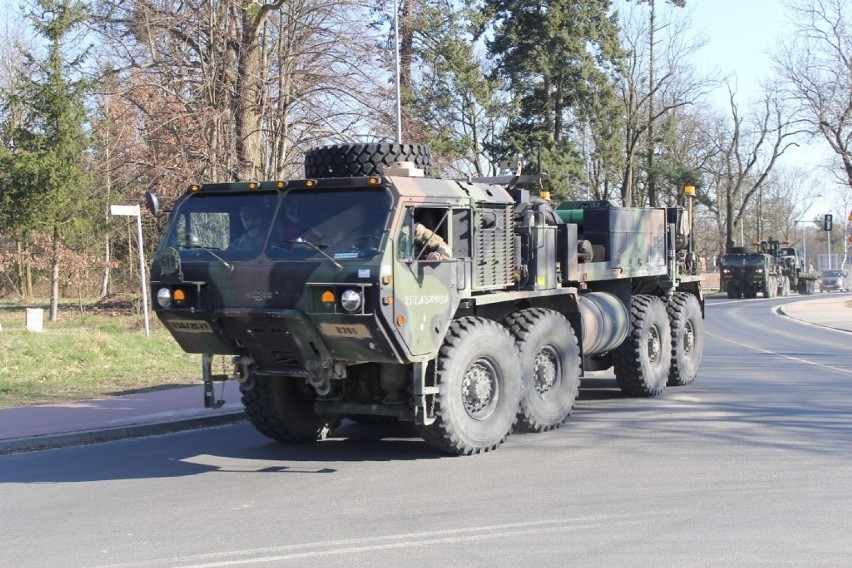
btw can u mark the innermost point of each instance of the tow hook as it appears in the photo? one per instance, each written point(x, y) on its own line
point(242, 373)
point(319, 376)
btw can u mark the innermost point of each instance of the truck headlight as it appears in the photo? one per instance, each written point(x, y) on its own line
point(350, 300)
point(759, 271)
point(164, 297)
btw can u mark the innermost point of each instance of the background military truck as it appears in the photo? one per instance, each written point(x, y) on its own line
point(745, 274)
point(793, 267)
point(342, 310)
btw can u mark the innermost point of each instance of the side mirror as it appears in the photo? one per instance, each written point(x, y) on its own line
point(152, 203)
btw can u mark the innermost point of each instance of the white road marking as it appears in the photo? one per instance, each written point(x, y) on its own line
point(788, 357)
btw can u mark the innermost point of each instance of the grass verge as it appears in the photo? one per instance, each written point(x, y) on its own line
point(88, 353)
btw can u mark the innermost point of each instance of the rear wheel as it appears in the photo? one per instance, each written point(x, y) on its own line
point(479, 388)
point(643, 361)
point(550, 360)
point(687, 328)
point(282, 408)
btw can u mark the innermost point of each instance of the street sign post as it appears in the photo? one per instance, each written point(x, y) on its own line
point(133, 211)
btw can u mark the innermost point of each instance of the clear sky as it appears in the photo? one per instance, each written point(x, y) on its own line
point(740, 35)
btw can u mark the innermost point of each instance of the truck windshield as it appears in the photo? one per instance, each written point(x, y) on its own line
point(345, 224)
point(231, 226)
point(742, 260)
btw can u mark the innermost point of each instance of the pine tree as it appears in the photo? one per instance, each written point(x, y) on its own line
point(557, 58)
point(45, 185)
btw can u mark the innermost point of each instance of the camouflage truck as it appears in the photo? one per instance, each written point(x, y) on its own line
point(745, 274)
point(792, 266)
point(469, 307)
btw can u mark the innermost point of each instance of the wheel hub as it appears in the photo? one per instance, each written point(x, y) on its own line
point(545, 371)
point(654, 345)
point(689, 338)
point(479, 389)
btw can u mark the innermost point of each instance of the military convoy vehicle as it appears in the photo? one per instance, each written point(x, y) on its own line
point(745, 274)
point(470, 307)
point(793, 267)
point(773, 270)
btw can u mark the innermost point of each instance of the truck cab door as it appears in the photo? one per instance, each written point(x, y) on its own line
point(426, 288)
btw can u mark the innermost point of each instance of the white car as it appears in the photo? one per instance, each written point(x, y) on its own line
point(834, 280)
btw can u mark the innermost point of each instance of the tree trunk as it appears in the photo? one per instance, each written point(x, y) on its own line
point(651, 189)
point(406, 58)
point(54, 276)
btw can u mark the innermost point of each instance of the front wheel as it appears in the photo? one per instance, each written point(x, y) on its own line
point(479, 388)
point(282, 408)
point(550, 360)
point(643, 361)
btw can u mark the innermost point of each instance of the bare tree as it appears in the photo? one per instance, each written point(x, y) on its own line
point(748, 147)
point(650, 96)
point(816, 65)
point(239, 88)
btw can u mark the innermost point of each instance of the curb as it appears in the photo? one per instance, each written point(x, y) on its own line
point(780, 310)
point(47, 441)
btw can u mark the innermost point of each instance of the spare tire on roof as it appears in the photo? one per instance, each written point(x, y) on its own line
point(356, 160)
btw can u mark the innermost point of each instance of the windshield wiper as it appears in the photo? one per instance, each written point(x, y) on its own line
point(318, 248)
point(227, 264)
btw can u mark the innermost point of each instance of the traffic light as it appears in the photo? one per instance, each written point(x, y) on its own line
point(826, 222)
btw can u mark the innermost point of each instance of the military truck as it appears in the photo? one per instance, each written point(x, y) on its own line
point(746, 273)
point(375, 292)
point(792, 265)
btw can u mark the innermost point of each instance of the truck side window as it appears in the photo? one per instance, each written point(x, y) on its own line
point(431, 234)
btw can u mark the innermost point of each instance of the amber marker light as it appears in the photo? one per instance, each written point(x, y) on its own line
point(194, 187)
point(327, 297)
point(179, 295)
point(400, 321)
point(252, 185)
point(311, 182)
point(374, 181)
point(281, 184)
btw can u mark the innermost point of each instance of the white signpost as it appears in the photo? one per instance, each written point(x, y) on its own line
point(133, 211)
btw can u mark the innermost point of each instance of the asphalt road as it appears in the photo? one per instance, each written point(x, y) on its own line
point(750, 466)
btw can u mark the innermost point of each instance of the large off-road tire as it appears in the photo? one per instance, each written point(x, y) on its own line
point(478, 374)
point(356, 160)
point(687, 328)
point(643, 361)
point(732, 292)
point(550, 361)
point(282, 409)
